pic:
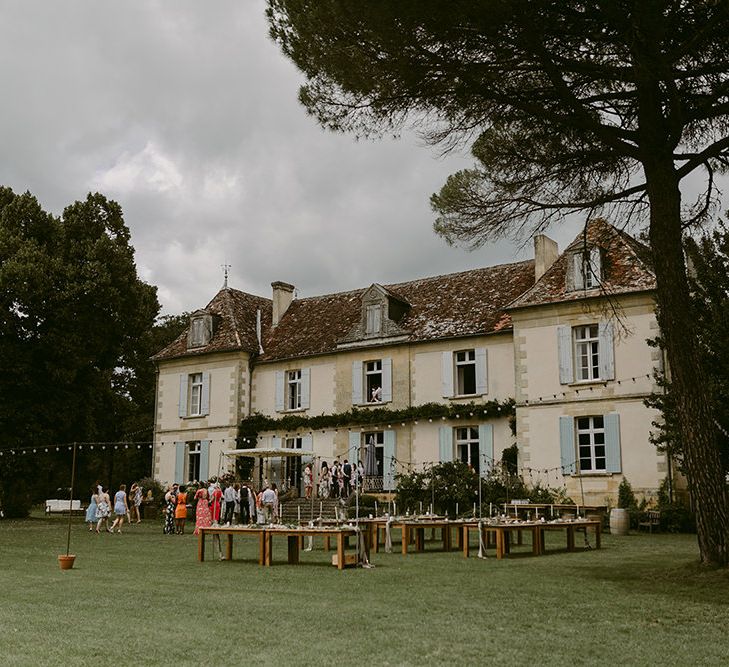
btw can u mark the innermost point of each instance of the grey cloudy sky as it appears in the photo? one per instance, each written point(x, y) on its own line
point(186, 114)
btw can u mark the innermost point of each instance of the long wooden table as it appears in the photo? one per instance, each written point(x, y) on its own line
point(294, 535)
point(504, 531)
point(416, 528)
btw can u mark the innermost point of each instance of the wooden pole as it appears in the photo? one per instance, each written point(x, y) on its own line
point(70, 502)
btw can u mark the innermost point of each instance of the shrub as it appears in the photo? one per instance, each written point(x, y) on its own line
point(626, 497)
point(158, 492)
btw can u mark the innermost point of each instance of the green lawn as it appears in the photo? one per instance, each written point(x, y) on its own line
point(142, 598)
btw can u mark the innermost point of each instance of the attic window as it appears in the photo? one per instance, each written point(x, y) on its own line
point(373, 324)
point(587, 269)
point(201, 331)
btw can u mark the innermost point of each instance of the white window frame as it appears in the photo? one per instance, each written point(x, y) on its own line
point(293, 389)
point(589, 440)
point(195, 394)
point(373, 319)
point(459, 367)
point(194, 453)
point(372, 369)
point(467, 445)
point(586, 351)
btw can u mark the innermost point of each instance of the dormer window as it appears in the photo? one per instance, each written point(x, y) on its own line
point(374, 319)
point(587, 269)
point(201, 330)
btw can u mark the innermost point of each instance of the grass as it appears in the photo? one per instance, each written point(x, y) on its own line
point(142, 597)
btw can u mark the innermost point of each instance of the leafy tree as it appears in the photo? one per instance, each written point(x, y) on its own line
point(72, 314)
point(575, 107)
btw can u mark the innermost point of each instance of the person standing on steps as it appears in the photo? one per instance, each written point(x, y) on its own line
point(347, 474)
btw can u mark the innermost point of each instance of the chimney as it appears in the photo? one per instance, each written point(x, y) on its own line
point(283, 294)
point(545, 252)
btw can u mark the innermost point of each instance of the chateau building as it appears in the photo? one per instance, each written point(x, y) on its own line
point(560, 342)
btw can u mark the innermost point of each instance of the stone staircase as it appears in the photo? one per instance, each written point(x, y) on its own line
point(292, 509)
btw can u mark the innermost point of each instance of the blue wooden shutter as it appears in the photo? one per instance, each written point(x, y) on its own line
point(205, 398)
point(357, 383)
point(276, 442)
point(567, 445)
point(388, 472)
point(279, 391)
point(182, 409)
point(386, 380)
point(564, 347)
point(305, 387)
point(482, 382)
point(447, 374)
point(606, 351)
point(353, 451)
point(612, 442)
point(179, 462)
point(445, 442)
point(485, 448)
point(204, 460)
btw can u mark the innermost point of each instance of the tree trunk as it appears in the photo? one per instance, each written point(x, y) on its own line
point(702, 464)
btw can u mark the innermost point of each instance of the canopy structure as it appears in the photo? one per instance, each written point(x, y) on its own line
point(267, 453)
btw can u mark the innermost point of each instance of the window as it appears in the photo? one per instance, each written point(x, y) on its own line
point(587, 268)
point(293, 390)
point(465, 372)
point(193, 461)
point(200, 331)
point(195, 395)
point(591, 444)
point(292, 471)
point(373, 467)
point(373, 381)
point(374, 319)
point(467, 442)
point(587, 352)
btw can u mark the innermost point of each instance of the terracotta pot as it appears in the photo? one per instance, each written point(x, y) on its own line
point(66, 561)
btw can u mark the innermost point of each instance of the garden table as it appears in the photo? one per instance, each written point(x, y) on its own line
point(295, 534)
point(417, 528)
point(229, 531)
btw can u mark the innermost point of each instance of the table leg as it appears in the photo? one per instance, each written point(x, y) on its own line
point(340, 551)
point(420, 539)
point(499, 543)
point(229, 547)
point(269, 548)
point(464, 540)
point(261, 548)
point(405, 539)
point(506, 542)
point(598, 533)
point(294, 545)
point(201, 546)
point(535, 540)
point(570, 538)
point(461, 535)
point(446, 535)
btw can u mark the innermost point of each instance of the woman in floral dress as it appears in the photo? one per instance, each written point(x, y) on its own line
point(171, 502)
point(202, 511)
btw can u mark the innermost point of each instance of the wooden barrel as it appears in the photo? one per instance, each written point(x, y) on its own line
point(619, 521)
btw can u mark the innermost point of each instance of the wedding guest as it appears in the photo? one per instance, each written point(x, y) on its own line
point(308, 481)
point(103, 508)
point(229, 498)
point(324, 480)
point(136, 495)
point(334, 481)
point(236, 509)
point(91, 510)
point(252, 500)
point(360, 474)
point(268, 498)
point(121, 508)
point(245, 508)
point(216, 503)
point(181, 512)
point(170, 503)
point(202, 510)
point(275, 502)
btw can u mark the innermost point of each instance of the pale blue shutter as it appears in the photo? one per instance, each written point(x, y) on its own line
point(182, 409)
point(386, 380)
point(205, 398)
point(357, 383)
point(567, 445)
point(564, 348)
point(279, 391)
point(482, 382)
point(388, 472)
point(612, 442)
point(353, 451)
point(204, 459)
point(445, 442)
point(179, 462)
point(606, 351)
point(305, 387)
point(447, 374)
point(485, 448)
point(276, 442)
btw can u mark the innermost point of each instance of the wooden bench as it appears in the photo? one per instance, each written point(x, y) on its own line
point(55, 506)
point(651, 519)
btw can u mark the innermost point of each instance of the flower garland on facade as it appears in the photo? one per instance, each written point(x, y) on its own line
point(251, 426)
